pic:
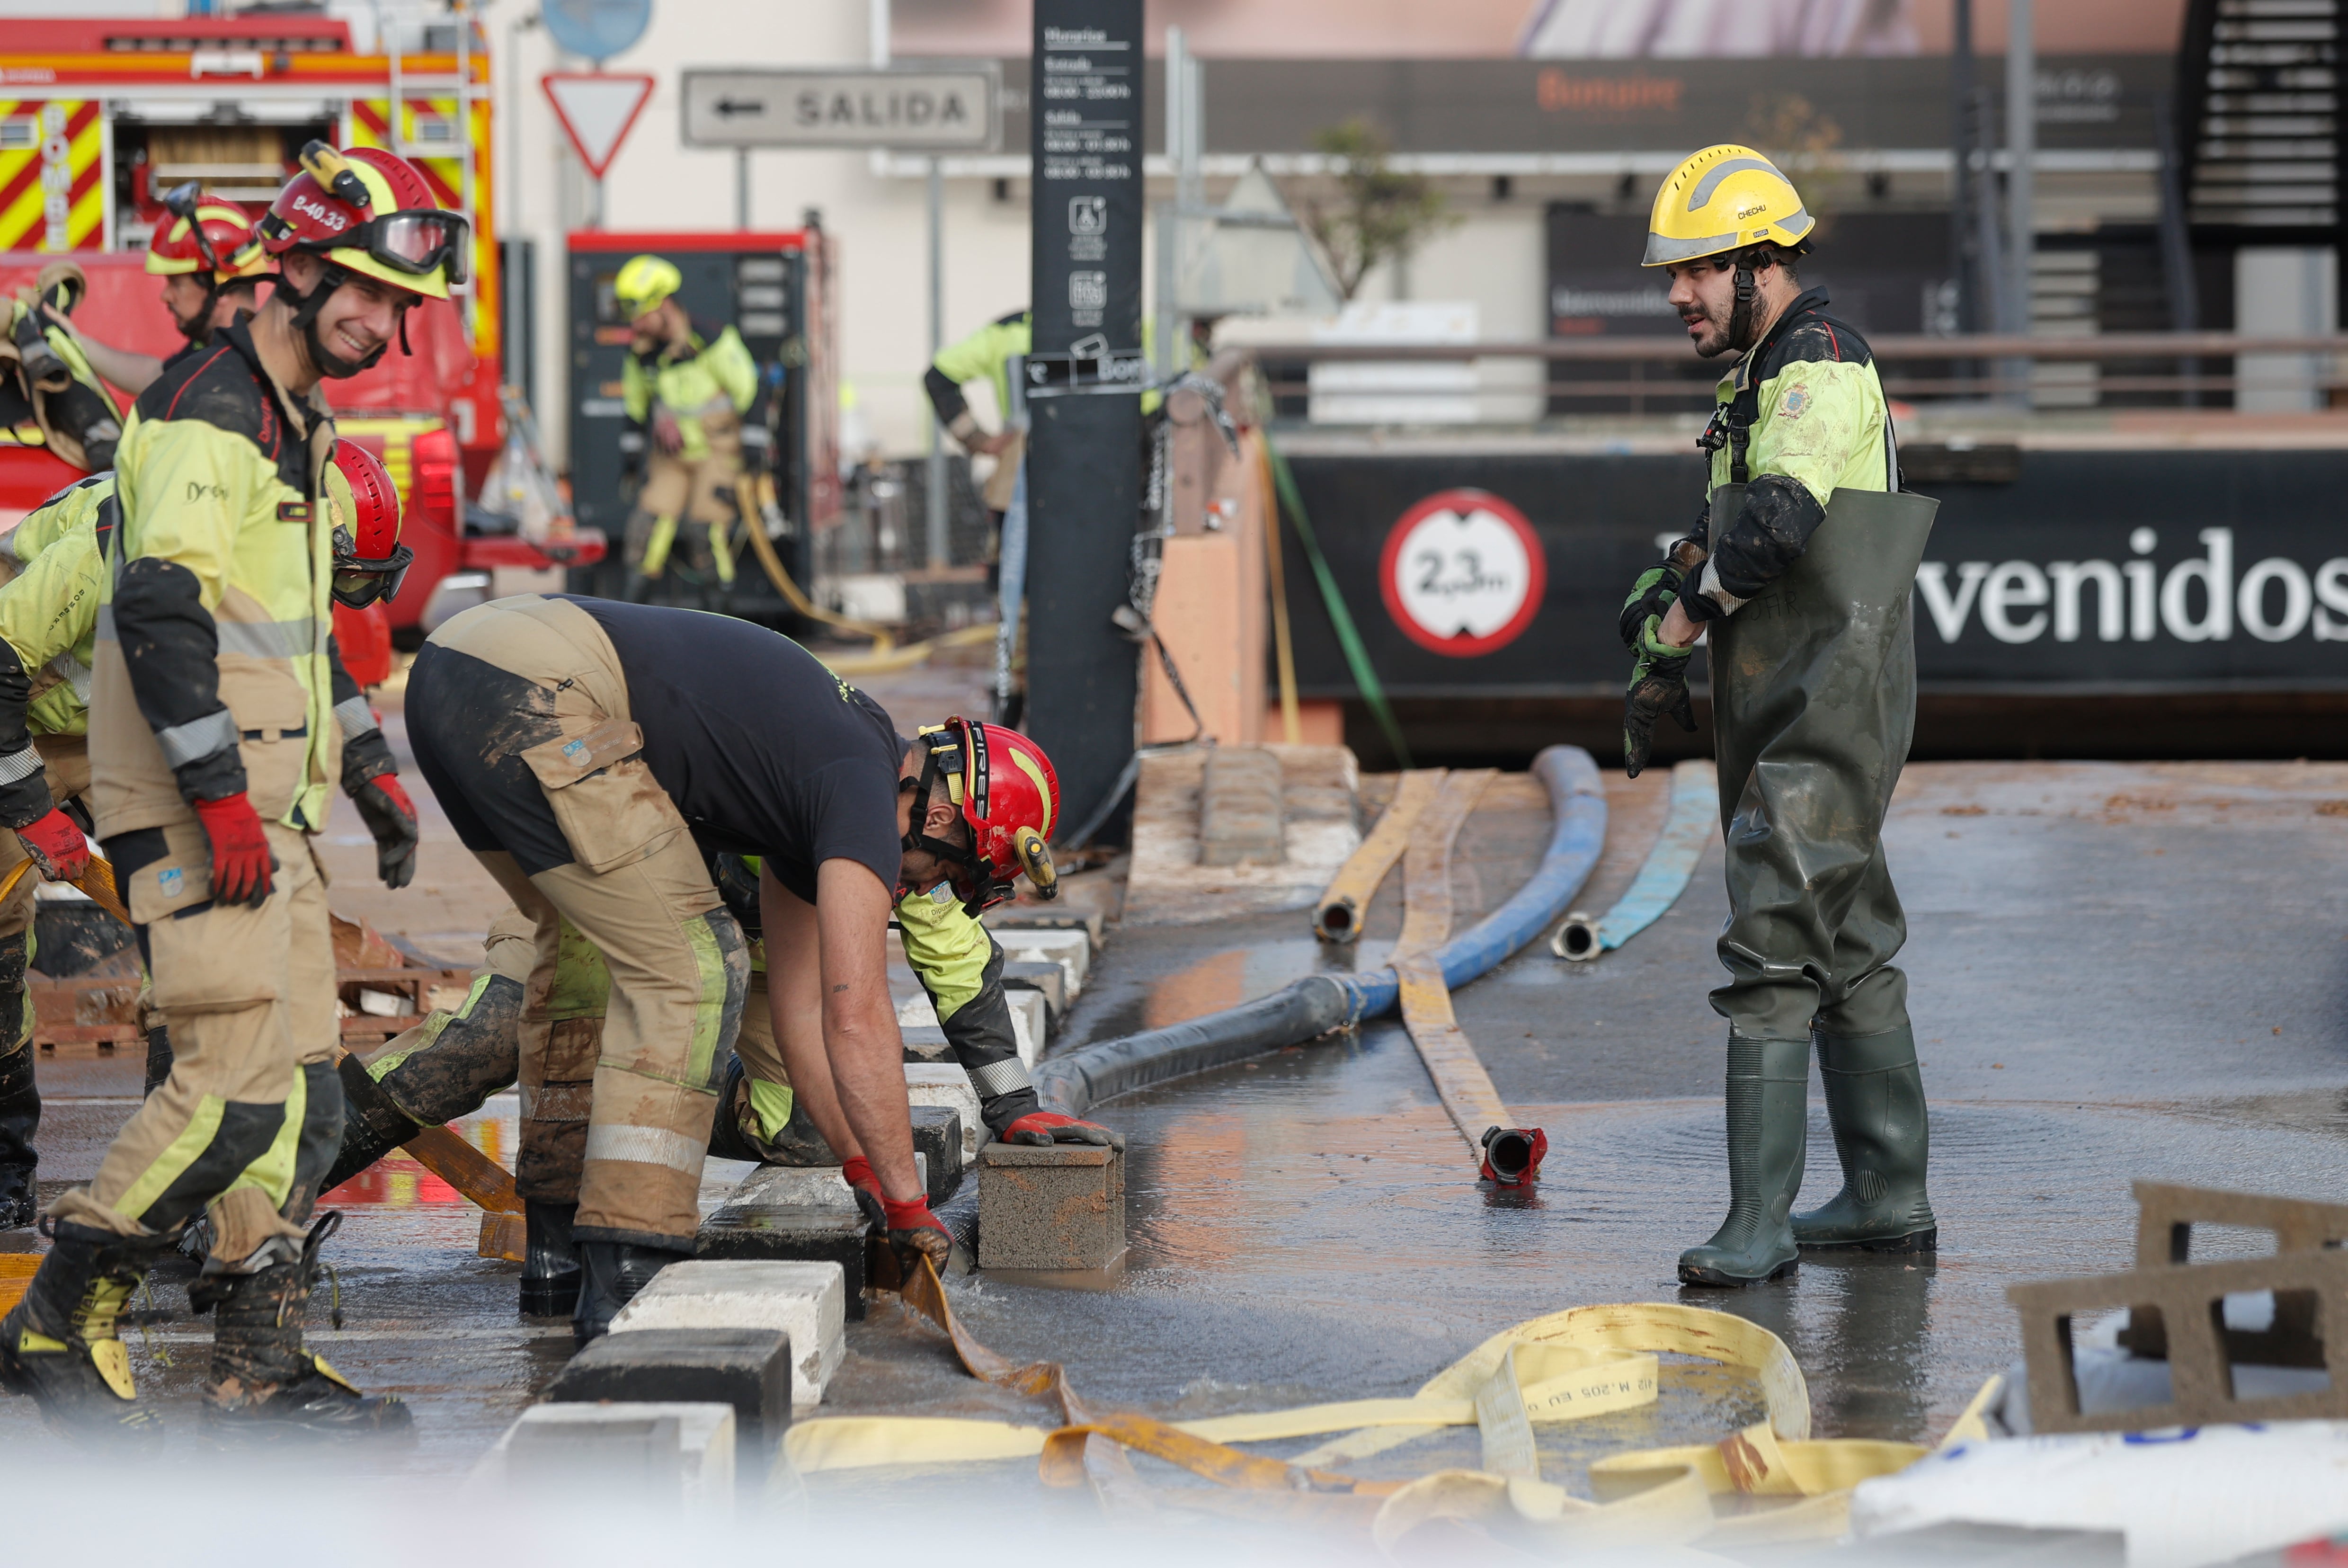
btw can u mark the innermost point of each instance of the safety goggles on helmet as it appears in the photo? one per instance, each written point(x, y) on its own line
point(370, 563)
point(1005, 791)
point(358, 582)
point(181, 202)
point(417, 243)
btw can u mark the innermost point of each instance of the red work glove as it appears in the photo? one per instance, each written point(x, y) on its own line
point(667, 434)
point(390, 816)
point(56, 846)
point(1513, 1155)
point(1040, 1126)
point(241, 859)
point(916, 1233)
point(865, 1187)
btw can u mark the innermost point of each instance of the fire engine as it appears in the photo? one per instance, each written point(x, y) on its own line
point(99, 117)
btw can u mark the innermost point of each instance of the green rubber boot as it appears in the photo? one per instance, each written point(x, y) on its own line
point(1768, 1082)
point(1875, 1101)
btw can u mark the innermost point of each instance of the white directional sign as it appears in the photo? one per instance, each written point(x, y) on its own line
point(937, 107)
point(596, 111)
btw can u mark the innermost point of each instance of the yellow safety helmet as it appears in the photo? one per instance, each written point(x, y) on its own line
point(644, 283)
point(1722, 200)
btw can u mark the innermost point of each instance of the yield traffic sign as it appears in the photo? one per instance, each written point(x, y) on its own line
point(597, 111)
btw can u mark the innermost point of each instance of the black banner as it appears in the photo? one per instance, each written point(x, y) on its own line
point(2090, 572)
point(1084, 449)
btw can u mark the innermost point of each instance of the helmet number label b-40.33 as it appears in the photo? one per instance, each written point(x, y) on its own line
point(1463, 573)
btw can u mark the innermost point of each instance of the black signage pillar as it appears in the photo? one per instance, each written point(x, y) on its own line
point(1084, 444)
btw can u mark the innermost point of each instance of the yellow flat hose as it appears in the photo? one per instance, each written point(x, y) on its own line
point(764, 549)
point(1337, 916)
point(1460, 1080)
point(1585, 1361)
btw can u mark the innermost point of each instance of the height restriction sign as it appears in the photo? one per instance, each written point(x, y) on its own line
point(1463, 573)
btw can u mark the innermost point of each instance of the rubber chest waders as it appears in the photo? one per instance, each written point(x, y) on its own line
point(1814, 703)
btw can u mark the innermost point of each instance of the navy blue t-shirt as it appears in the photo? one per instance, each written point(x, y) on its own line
point(765, 751)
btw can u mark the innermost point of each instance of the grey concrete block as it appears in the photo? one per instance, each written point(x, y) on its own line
point(1071, 949)
point(791, 1214)
point(665, 1455)
point(945, 1084)
point(937, 1143)
point(1023, 919)
point(803, 1300)
point(1060, 1207)
point(925, 1042)
point(749, 1368)
point(1030, 1022)
point(1049, 979)
point(1240, 809)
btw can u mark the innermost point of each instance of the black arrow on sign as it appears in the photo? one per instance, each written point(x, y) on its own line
point(727, 107)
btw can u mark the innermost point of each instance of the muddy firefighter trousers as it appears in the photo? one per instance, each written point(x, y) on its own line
point(519, 716)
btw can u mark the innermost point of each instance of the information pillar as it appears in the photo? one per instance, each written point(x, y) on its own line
point(1082, 382)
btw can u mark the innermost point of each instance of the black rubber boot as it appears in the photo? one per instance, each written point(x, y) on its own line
point(20, 1118)
point(549, 1264)
point(159, 1060)
point(1875, 1102)
point(1768, 1082)
point(60, 1345)
point(264, 1383)
point(372, 1126)
point(610, 1275)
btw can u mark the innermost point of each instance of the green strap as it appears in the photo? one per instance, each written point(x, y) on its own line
point(1357, 657)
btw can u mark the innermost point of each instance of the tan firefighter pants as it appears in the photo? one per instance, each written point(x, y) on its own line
point(251, 1115)
point(536, 680)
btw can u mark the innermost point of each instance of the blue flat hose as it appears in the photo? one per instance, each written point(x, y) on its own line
point(1317, 1004)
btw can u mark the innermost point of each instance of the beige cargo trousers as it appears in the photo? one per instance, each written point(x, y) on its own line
point(517, 712)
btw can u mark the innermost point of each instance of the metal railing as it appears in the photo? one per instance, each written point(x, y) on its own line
point(1976, 365)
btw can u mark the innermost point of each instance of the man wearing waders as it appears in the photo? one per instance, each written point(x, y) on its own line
point(1800, 568)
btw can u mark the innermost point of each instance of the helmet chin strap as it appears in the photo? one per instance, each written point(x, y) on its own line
point(917, 837)
point(306, 307)
point(1741, 332)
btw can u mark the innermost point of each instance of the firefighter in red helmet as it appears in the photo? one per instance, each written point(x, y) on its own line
point(212, 264)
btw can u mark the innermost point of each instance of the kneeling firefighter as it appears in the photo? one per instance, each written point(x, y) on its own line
point(215, 739)
point(686, 387)
point(452, 1062)
point(1800, 567)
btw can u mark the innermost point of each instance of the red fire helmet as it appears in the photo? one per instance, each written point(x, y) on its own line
point(1009, 798)
point(369, 560)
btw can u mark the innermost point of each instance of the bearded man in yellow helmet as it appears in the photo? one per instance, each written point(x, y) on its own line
point(214, 740)
point(685, 387)
point(1800, 568)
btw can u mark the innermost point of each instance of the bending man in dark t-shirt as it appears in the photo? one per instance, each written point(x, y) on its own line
point(590, 753)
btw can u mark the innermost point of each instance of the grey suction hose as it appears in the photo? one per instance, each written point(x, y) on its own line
point(1318, 1004)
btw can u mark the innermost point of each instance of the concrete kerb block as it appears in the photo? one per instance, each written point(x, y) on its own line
point(1030, 1024)
point(791, 1215)
point(1071, 949)
point(1059, 1207)
point(925, 1042)
point(749, 1368)
point(668, 1454)
point(945, 1084)
point(1048, 979)
point(1241, 817)
point(807, 1301)
point(2166, 1215)
point(1007, 918)
point(937, 1144)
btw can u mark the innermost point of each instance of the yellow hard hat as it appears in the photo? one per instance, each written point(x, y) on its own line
point(1723, 199)
point(644, 284)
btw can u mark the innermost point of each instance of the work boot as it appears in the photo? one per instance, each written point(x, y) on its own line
point(20, 1118)
point(264, 1383)
point(60, 1347)
point(1875, 1102)
point(610, 1276)
point(549, 1264)
point(372, 1126)
point(1768, 1082)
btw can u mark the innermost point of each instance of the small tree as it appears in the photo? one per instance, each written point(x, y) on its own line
point(1380, 213)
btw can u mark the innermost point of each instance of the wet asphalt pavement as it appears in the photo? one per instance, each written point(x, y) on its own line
point(2118, 971)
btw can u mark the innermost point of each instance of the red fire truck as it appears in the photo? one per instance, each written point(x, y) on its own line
point(99, 117)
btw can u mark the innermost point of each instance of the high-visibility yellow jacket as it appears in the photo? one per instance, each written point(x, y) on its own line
point(214, 666)
point(78, 422)
point(48, 610)
point(686, 380)
point(1802, 415)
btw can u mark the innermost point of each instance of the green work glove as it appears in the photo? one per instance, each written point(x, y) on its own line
point(1651, 595)
point(1658, 686)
